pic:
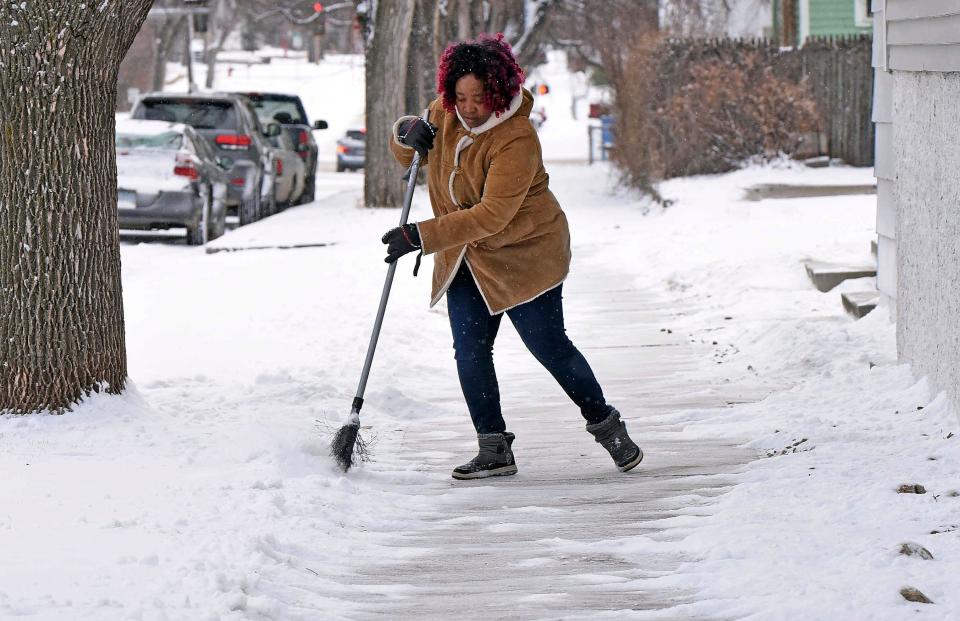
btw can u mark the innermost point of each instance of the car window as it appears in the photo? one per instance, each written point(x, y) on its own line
point(285, 111)
point(197, 113)
point(357, 134)
point(283, 141)
point(189, 146)
point(167, 141)
point(204, 150)
point(247, 112)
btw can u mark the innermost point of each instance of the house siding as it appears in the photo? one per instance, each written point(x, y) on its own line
point(923, 35)
point(884, 164)
point(833, 17)
point(917, 66)
point(927, 192)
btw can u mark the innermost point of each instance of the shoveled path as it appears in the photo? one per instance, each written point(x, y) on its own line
point(537, 545)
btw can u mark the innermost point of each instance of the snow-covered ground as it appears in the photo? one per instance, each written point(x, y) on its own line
point(206, 491)
point(814, 528)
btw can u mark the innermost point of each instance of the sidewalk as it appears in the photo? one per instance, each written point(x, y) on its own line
point(544, 544)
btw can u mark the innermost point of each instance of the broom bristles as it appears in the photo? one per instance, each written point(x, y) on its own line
point(349, 446)
point(342, 445)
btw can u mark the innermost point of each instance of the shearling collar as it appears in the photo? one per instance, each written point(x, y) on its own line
point(494, 120)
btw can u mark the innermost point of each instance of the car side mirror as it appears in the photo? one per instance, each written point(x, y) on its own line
point(320, 125)
point(273, 129)
point(225, 162)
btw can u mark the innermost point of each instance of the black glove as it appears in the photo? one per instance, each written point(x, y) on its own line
point(418, 134)
point(400, 241)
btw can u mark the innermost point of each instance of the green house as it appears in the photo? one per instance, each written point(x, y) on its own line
point(796, 20)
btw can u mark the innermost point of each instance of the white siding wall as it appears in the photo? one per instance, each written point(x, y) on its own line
point(909, 35)
point(917, 115)
point(884, 164)
point(923, 35)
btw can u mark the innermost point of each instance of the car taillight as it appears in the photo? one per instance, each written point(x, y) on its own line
point(184, 168)
point(186, 171)
point(279, 168)
point(342, 149)
point(238, 181)
point(233, 142)
point(304, 137)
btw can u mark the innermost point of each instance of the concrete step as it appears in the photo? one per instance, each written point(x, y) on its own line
point(782, 190)
point(860, 303)
point(826, 276)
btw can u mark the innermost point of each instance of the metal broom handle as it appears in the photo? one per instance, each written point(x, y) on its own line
point(388, 283)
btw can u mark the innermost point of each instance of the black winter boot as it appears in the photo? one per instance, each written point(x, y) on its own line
point(611, 433)
point(494, 459)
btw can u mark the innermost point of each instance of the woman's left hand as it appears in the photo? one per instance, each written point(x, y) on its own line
point(400, 241)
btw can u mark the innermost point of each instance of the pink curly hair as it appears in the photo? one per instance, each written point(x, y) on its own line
point(491, 60)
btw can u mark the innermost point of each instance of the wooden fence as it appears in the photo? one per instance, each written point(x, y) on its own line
point(837, 69)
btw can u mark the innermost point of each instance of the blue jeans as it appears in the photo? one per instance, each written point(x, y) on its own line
point(539, 323)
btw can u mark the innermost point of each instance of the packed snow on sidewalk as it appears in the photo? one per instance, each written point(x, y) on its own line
point(813, 529)
point(206, 491)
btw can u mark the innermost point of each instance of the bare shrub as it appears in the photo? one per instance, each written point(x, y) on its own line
point(686, 108)
point(727, 113)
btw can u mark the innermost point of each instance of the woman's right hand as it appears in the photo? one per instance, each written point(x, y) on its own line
point(418, 134)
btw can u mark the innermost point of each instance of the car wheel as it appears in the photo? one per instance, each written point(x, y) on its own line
point(340, 167)
point(268, 204)
point(219, 225)
point(310, 189)
point(250, 208)
point(200, 234)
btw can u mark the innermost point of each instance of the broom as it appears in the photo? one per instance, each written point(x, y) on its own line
point(348, 437)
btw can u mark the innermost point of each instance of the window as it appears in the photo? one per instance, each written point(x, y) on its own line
point(863, 13)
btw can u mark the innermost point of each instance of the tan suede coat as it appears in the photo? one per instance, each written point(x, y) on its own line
point(493, 207)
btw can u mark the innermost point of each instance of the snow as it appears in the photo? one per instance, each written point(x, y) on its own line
point(206, 491)
point(137, 127)
point(564, 136)
point(812, 533)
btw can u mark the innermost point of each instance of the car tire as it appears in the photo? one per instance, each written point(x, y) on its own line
point(199, 235)
point(249, 210)
point(219, 225)
point(340, 167)
point(268, 206)
point(310, 189)
point(290, 202)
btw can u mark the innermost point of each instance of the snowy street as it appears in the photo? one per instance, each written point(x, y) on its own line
point(207, 492)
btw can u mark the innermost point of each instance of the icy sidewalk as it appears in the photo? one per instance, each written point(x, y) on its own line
point(550, 541)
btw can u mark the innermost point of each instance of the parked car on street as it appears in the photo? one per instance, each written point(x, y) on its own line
point(352, 150)
point(232, 129)
point(168, 176)
point(290, 171)
point(288, 111)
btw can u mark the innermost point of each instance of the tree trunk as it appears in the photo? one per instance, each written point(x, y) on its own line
point(168, 33)
point(212, 54)
point(386, 73)
point(61, 311)
point(421, 62)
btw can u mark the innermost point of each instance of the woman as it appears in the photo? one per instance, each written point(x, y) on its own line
point(500, 241)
